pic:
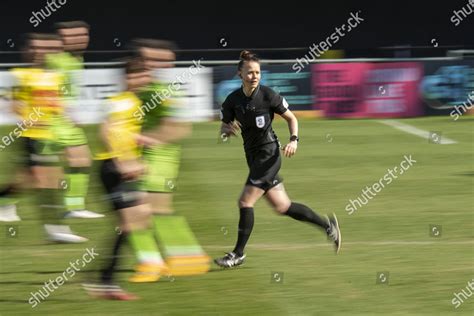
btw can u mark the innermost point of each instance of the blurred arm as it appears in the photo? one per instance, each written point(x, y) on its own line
point(17, 107)
point(169, 131)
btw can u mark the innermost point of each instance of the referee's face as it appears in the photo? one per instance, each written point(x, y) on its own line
point(250, 74)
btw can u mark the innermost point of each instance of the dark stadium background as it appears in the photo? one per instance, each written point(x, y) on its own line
point(253, 24)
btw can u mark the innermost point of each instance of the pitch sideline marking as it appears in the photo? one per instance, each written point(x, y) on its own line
point(291, 246)
point(350, 243)
point(415, 131)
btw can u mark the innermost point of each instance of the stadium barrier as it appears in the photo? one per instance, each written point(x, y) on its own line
point(340, 88)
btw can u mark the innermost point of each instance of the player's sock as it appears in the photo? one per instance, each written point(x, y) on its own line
point(175, 236)
point(245, 229)
point(78, 182)
point(108, 271)
point(303, 213)
point(144, 245)
point(7, 191)
point(50, 204)
point(182, 251)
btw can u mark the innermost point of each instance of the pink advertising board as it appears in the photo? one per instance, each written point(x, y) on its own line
point(359, 90)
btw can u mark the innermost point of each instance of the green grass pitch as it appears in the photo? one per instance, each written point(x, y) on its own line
point(291, 269)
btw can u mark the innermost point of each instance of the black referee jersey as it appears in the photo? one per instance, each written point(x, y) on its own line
point(255, 114)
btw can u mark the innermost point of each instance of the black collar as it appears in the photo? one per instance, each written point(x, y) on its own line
point(254, 93)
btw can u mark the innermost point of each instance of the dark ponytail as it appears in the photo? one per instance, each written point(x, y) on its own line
point(246, 55)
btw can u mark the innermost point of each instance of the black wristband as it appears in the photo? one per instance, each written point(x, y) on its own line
point(294, 137)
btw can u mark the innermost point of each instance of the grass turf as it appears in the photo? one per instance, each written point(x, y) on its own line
point(290, 269)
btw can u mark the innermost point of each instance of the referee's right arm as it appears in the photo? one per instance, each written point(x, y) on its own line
point(228, 126)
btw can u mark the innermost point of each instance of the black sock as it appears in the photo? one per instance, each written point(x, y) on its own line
point(303, 213)
point(107, 273)
point(9, 190)
point(245, 229)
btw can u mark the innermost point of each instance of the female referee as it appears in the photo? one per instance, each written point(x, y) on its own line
point(251, 108)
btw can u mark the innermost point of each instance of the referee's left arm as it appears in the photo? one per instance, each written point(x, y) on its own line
point(292, 121)
point(280, 106)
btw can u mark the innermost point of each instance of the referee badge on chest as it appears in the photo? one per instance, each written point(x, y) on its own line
point(260, 120)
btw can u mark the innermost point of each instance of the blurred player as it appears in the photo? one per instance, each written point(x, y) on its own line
point(251, 108)
point(75, 37)
point(120, 172)
point(38, 91)
point(165, 124)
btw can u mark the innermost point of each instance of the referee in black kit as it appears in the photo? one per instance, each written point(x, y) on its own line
point(251, 109)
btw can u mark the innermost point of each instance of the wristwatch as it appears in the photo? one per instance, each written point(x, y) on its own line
point(294, 137)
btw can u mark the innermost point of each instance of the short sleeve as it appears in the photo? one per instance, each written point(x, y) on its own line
point(19, 88)
point(227, 111)
point(278, 104)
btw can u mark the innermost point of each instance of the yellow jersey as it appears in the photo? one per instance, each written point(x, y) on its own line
point(123, 127)
point(41, 89)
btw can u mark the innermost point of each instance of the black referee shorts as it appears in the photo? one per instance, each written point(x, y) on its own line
point(264, 163)
point(122, 194)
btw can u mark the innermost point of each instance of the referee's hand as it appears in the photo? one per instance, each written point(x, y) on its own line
point(230, 129)
point(290, 149)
